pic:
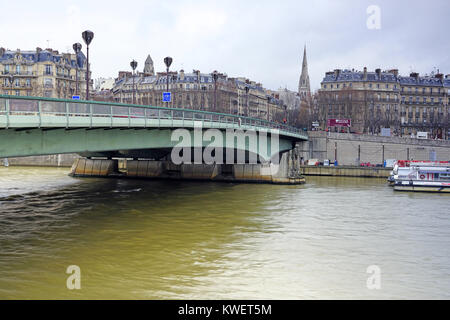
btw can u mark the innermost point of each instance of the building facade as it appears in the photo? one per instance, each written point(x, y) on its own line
point(44, 73)
point(384, 99)
point(199, 91)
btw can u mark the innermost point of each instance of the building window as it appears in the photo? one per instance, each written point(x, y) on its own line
point(17, 83)
point(7, 68)
point(48, 69)
point(370, 85)
point(431, 90)
point(17, 93)
point(18, 69)
point(28, 83)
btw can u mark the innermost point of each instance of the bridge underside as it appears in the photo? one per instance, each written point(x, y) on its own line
point(150, 143)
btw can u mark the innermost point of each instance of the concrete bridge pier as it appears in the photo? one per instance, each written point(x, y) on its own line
point(287, 172)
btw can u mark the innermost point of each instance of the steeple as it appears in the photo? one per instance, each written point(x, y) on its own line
point(304, 89)
point(148, 68)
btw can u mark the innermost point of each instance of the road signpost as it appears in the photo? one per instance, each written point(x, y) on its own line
point(167, 97)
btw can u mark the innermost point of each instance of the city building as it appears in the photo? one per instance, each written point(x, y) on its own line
point(384, 99)
point(45, 73)
point(199, 91)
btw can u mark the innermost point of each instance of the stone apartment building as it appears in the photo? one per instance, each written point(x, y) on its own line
point(384, 99)
point(45, 73)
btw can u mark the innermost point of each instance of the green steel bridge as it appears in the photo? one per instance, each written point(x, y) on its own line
point(39, 126)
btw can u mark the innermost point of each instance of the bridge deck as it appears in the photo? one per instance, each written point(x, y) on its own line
point(32, 112)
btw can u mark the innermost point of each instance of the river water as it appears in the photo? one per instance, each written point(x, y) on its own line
point(142, 239)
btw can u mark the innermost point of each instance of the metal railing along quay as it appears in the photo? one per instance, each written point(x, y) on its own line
point(31, 112)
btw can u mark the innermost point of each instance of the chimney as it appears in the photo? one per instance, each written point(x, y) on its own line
point(378, 72)
point(365, 73)
point(2, 51)
point(414, 75)
point(336, 73)
point(394, 71)
point(440, 76)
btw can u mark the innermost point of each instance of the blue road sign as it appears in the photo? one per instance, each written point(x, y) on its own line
point(75, 97)
point(167, 97)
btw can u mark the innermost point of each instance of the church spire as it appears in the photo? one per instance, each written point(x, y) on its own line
point(148, 68)
point(304, 89)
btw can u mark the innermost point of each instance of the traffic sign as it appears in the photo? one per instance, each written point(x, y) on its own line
point(75, 97)
point(167, 97)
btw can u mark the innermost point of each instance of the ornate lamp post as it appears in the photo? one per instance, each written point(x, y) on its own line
point(87, 37)
point(215, 77)
point(247, 114)
point(77, 48)
point(133, 65)
point(168, 62)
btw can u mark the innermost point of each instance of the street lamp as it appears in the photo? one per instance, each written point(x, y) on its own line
point(215, 77)
point(133, 65)
point(168, 62)
point(87, 37)
point(247, 89)
point(77, 48)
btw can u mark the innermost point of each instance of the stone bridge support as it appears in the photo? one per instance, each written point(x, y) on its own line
point(287, 172)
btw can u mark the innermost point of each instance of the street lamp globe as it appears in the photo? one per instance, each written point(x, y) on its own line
point(168, 61)
point(133, 64)
point(77, 47)
point(87, 36)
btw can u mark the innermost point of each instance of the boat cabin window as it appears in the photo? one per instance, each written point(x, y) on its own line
point(444, 176)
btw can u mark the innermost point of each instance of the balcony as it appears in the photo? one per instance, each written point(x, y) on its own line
point(65, 76)
point(19, 73)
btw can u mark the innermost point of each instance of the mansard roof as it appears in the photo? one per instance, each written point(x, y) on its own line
point(43, 56)
point(350, 75)
point(384, 76)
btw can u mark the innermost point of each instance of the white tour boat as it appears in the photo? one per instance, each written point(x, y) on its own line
point(428, 176)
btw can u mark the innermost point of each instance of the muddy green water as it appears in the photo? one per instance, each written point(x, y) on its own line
point(136, 239)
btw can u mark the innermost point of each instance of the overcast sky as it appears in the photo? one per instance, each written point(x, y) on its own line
point(261, 40)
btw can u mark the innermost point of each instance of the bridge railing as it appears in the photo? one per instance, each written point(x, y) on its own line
point(42, 107)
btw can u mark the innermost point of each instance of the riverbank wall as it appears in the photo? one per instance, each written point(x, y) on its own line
point(353, 149)
point(346, 171)
point(54, 160)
